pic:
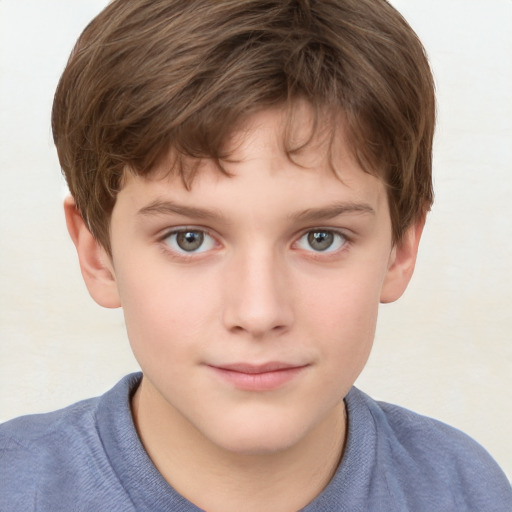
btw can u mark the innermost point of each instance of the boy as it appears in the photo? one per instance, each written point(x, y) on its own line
point(249, 180)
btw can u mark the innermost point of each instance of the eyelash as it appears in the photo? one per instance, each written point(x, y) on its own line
point(340, 237)
point(183, 254)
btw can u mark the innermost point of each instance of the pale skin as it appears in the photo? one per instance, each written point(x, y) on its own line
point(283, 264)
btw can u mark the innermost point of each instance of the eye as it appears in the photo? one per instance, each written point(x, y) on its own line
point(189, 241)
point(321, 240)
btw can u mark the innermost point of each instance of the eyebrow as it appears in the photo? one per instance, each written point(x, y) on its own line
point(159, 207)
point(165, 207)
point(332, 211)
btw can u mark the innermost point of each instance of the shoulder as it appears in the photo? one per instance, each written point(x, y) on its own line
point(32, 430)
point(76, 421)
point(57, 454)
point(425, 459)
point(45, 435)
point(437, 444)
point(34, 450)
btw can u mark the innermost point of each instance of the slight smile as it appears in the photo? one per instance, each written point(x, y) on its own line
point(263, 377)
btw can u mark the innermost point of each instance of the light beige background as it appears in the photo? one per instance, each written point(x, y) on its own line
point(444, 350)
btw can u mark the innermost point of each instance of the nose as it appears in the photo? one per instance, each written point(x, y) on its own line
point(258, 301)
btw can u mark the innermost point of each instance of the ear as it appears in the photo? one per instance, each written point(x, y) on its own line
point(401, 263)
point(95, 263)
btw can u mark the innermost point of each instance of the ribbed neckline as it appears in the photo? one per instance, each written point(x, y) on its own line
point(148, 490)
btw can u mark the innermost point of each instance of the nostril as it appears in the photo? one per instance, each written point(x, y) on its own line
point(257, 300)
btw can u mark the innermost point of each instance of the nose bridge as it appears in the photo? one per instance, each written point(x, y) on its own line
point(257, 299)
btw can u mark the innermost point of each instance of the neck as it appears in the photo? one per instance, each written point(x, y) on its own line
point(218, 480)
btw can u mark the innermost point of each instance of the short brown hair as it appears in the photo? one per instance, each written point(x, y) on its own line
point(146, 76)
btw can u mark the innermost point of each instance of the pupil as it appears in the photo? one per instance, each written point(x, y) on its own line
point(189, 240)
point(320, 240)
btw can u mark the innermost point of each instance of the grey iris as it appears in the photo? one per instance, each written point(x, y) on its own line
point(190, 240)
point(320, 240)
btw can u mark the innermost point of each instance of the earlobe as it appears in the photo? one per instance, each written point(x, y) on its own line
point(401, 263)
point(95, 264)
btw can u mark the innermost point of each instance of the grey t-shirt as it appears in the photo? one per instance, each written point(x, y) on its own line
point(88, 457)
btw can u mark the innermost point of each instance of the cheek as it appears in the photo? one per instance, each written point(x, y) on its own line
point(164, 314)
point(348, 302)
point(342, 315)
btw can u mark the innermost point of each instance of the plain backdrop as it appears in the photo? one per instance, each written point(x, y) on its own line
point(444, 349)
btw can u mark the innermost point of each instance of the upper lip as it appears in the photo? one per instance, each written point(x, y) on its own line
point(272, 366)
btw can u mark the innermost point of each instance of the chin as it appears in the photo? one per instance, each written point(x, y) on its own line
point(258, 447)
point(263, 438)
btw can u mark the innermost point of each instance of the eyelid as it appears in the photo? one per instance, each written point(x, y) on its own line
point(336, 231)
point(181, 252)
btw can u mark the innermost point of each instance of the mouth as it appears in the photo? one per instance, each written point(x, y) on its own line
point(261, 377)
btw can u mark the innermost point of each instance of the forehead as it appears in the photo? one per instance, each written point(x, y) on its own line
point(309, 136)
point(273, 158)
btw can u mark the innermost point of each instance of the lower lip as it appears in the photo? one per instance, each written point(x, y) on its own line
point(265, 381)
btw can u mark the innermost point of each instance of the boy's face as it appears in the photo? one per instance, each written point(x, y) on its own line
point(251, 300)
